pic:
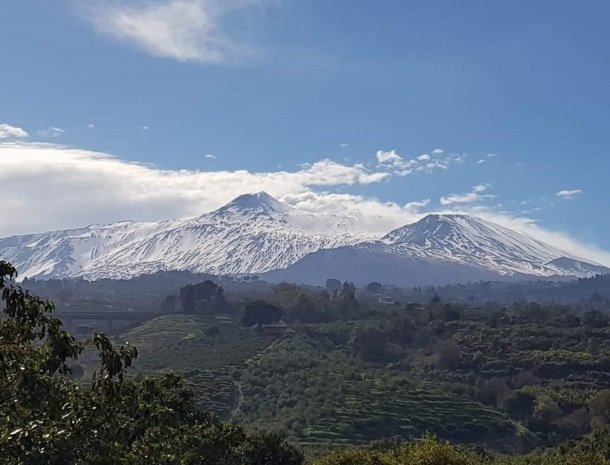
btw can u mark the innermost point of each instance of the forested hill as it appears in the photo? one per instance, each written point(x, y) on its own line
point(344, 374)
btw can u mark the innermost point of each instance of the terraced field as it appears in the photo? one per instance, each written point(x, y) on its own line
point(329, 397)
point(211, 363)
point(309, 388)
point(180, 342)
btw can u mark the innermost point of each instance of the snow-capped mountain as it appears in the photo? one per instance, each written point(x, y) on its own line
point(252, 234)
point(471, 241)
point(441, 249)
point(69, 252)
point(256, 233)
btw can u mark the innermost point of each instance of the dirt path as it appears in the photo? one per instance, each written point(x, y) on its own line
point(240, 400)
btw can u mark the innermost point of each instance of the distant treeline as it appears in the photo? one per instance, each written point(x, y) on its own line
point(149, 292)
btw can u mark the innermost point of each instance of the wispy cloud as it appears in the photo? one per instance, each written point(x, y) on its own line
point(416, 206)
point(210, 156)
point(569, 194)
point(475, 195)
point(12, 132)
point(425, 163)
point(52, 131)
point(184, 30)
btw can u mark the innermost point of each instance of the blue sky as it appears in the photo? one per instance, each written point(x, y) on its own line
point(270, 85)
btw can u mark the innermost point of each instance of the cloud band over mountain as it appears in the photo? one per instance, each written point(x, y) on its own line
point(48, 187)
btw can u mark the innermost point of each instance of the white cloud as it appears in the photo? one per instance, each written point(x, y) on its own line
point(210, 156)
point(423, 163)
point(52, 132)
point(81, 187)
point(487, 158)
point(12, 132)
point(416, 206)
point(432, 166)
point(475, 195)
point(569, 194)
point(91, 126)
point(184, 30)
point(369, 215)
point(388, 157)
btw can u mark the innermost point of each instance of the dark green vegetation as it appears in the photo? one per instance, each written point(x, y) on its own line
point(344, 367)
point(47, 418)
point(340, 368)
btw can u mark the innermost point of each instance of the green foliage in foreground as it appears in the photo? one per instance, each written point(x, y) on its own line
point(434, 452)
point(48, 419)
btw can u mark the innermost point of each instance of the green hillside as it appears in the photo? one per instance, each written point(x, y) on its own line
point(300, 383)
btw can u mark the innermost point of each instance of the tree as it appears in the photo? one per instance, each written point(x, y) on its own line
point(546, 410)
point(48, 419)
point(307, 310)
point(448, 354)
point(260, 313)
point(490, 391)
point(349, 304)
point(205, 297)
point(171, 304)
point(594, 319)
point(333, 285)
point(374, 288)
point(519, 404)
point(599, 407)
point(446, 313)
point(368, 343)
point(212, 331)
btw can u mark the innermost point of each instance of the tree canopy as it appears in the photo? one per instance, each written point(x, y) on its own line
point(260, 312)
point(46, 418)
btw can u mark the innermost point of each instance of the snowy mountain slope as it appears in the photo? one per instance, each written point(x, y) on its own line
point(256, 233)
point(472, 241)
point(441, 249)
point(364, 263)
point(68, 252)
point(252, 234)
point(574, 267)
